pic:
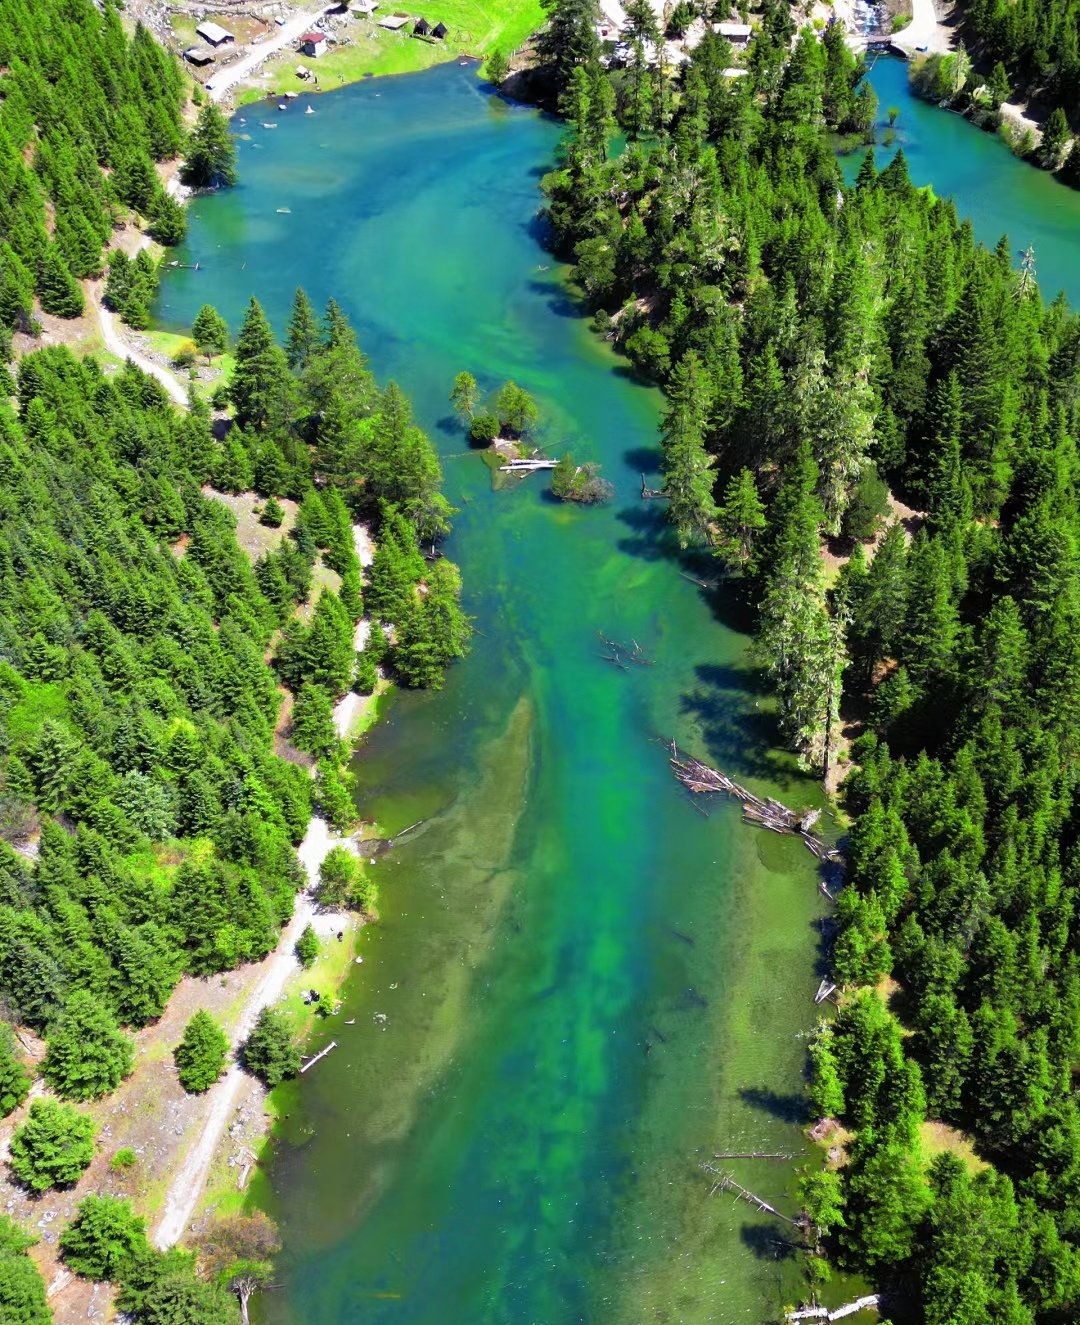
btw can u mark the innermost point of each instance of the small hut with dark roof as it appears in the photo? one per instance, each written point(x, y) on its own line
point(422, 28)
point(440, 30)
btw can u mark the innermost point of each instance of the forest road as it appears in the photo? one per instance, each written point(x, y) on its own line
point(235, 73)
point(925, 34)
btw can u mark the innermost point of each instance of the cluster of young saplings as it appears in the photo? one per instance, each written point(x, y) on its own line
point(511, 416)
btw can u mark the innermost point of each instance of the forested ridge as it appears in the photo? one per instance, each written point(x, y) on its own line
point(1037, 42)
point(820, 345)
point(85, 112)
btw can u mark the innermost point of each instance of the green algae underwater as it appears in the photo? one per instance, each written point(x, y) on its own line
point(580, 987)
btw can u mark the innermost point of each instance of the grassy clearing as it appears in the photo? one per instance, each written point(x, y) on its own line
point(255, 538)
point(476, 27)
point(167, 344)
point(939, 1138)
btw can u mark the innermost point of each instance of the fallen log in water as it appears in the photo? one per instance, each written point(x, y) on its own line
point(312, 1061)
point(726, 1183)
point(763, 811)
point(758, 1154)
point(823, 1313)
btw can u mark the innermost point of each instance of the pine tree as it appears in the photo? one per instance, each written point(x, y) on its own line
point(465, 397)
point(168, 220)
point(59, 291)
point(1070, 171)
point(14, 1082)
point(313, 722)
point(269, 1052)
point(740, 520)
point(307, 947)
point(687, 466)
point(87, 1055)
point(209, 332)
point(434, 630)
point(53, 1148)
point(262, 387)
point(1055, 138)
point(569, 37)
point(211, 156)
point(303, 337)
point(200, 1055)
point(798, 640)
point(104, 1239)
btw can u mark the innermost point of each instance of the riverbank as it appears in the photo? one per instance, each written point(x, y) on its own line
point(195, 1155)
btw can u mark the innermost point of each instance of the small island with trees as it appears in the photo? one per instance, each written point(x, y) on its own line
point(505, 425)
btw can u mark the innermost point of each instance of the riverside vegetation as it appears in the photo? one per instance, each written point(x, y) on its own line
point(818, 344)
point(143, 659)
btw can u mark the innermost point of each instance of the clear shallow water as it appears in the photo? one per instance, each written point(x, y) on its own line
point(999, 192)
point(588, 987)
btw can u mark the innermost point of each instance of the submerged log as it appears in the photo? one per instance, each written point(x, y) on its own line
point(726, 1183)
point(823, 1313)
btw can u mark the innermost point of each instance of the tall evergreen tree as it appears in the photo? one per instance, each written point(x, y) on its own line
point(687, 465)
point(211, 156)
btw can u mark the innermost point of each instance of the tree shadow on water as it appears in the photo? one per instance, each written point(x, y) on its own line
point(767, 1242)
point(450, 425)
point(650, 536)
point(643, 459)
point(793, 1109)
point(560, 301)
point(740, 736)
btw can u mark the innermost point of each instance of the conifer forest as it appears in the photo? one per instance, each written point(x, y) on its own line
point(832, 355)
point(821, 345)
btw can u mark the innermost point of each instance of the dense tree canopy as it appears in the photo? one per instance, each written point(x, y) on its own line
point(1037, 42)
point(86, 112)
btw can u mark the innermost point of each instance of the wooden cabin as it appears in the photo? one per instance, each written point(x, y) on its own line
point(421, 28)
point(313, 44)
point(214, 33)
point(441, 31)
point(738, 34)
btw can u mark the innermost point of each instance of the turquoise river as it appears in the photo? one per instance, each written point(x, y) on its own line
point(580, 987)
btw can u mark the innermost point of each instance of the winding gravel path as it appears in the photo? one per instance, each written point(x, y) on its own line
point(115, 343)
point(186, 1185)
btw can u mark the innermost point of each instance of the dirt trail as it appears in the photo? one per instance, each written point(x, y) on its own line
point(116, 345)
point(187, 1183)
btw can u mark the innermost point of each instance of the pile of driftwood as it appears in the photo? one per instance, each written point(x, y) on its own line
point(764, 811)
